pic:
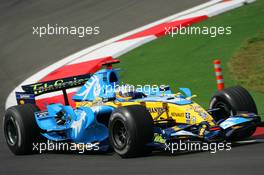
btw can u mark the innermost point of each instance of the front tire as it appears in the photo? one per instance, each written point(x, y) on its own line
point(232, 101)
point(20, 128)
point(131, 128)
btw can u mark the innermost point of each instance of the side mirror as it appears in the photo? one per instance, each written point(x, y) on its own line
point(186, 92)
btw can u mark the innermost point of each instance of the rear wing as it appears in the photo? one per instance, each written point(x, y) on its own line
point(36, 89)
point(56, 85)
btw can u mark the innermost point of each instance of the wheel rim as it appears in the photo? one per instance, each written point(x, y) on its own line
point(224, 111)
point(11, 132)
point(120, 135)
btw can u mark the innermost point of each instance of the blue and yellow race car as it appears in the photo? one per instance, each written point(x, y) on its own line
point(128, 120)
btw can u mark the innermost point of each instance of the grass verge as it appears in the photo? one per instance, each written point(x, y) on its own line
point(187, 60)
point(247, 65)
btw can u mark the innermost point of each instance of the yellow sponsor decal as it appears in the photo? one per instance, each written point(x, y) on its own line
point(175, 114)
point(158, 138)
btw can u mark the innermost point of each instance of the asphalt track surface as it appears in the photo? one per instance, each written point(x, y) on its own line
point(22, 54)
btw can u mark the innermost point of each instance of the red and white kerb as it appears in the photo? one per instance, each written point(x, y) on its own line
point(219, 75)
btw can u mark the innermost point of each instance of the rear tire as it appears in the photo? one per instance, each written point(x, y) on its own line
point(20, 128)
point(131, 128)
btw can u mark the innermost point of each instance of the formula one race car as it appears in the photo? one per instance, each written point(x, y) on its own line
point(128, 120)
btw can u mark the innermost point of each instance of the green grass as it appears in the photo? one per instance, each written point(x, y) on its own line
point(187, 60)
point(247, 66)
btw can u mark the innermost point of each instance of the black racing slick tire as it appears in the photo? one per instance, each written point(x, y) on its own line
point(131, 128)
point(20, 128)
point(232, 101)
